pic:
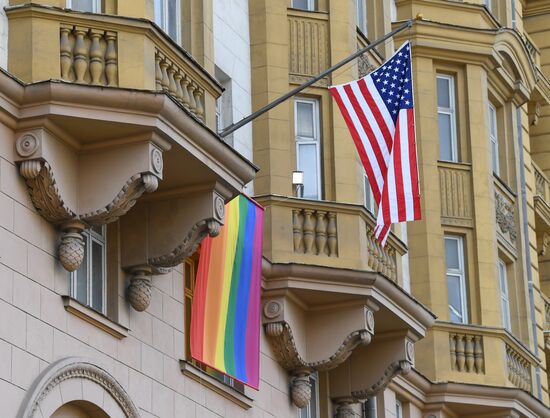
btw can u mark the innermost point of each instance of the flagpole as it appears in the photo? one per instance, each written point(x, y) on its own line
point(234, 126)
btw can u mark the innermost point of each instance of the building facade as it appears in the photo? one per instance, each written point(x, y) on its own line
point(111, 174)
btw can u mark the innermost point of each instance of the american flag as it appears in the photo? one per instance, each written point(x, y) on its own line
point(379, 112)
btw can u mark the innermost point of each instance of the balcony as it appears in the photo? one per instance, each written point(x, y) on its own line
point(326, 275)
point(469, 350)
point(328, 234)
point(108, 51)
point(108, 115)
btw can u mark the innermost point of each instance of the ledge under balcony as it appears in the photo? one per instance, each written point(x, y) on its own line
point(88, 154)
point(332, 300)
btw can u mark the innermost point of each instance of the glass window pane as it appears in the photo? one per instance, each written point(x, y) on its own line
point(158, 12)
point(97, 276)
point(393, 11)
point(493, 121)
point(307, 162)
point(494, 156)
point(172, 28)
point(304, 119)
point(443, 92)
point(83, 5)
point(361, 15)
point(445, 137)
point(300, 4)
point(451, 254)
point(80, 293)
point(455, 298)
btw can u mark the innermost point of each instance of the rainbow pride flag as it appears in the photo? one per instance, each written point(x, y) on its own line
point(225, 317)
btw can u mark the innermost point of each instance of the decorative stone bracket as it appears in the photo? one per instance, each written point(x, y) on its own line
point(370, 369)
point(330, 336)
point(75, 190)
point(160, 233)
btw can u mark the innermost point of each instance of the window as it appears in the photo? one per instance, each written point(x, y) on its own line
point(514, 18)
point(88, 283)
point(369, 406)
point(369, 197)
point(398, 409)
point(312, 408)
point(487, 4)
point(456, 279)
point(190, 277)
point(504, 299)
point(92, 6)
point(306, 115)
point(493, 136)
point(167, 16)
point(393, 10)
point(446, 112)
point(304, 4)
point(361, 10)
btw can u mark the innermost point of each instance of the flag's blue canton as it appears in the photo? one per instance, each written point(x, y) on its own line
point(394, 82)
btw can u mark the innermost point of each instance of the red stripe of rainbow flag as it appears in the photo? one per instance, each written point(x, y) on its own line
point(225, 316)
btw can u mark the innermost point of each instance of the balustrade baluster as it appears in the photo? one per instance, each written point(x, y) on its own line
point(164, 82)
point(297, 230)
point(452, 344)
point(111, 60)
point(80, 55)
point(478, 354)
point(308, 231)
point(158, 72)
point(96, 57)
point(185, 91)
point(460, 357)
point(469, 353)
point(332, 235)
point(320, 232)
point(66, 56)
point(192, 103)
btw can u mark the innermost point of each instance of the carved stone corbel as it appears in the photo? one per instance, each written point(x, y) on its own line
point(139, 290)
point(401, 367)
point(42, 157)
point(285, 348)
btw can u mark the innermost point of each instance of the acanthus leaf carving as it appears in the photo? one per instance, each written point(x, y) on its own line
point(505, 216)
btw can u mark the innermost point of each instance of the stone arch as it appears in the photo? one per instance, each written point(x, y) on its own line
point(76, 379)
point(80, 409)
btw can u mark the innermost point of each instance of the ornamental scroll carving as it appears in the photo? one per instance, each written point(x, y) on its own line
point(401, 367)
point(280, 336)
point(505, 216)
point(47, 197)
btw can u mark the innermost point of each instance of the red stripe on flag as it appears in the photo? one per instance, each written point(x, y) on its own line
point(358, 144)
point(376, 113)
point(399, 189)
point(413, 164)
point(368, 130)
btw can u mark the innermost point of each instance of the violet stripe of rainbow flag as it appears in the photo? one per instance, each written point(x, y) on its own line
point(225, 317)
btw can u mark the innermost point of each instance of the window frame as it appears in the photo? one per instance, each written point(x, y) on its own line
point(306, 411)
point(493, 138)
point(502, 267)
point(461, 273)
point(90, 236)
point(398, 409)
point(96, 6)
point(369, 202)
point(393, 11)
point(163, 23)
point(361, 11)
point(451, 111)
point(306, 141)
point(310, 6)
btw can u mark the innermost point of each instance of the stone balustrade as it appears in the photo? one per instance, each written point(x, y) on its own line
point(381, 259)
point(467, 353)
point(518, 369)
point(455, 188)
point(172, 78)
point(315, 232)
point(88, 56)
